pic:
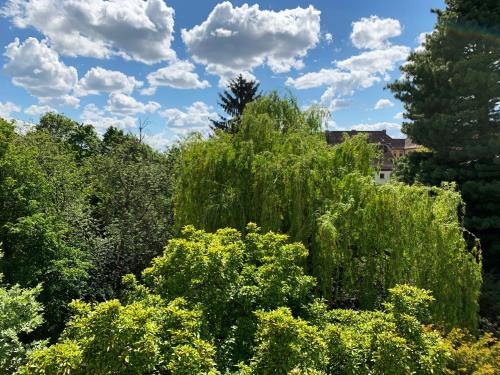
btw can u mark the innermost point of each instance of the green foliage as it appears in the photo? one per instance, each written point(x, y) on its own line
point(78, 213)
point(473, 356)
point(279, 172)
point(348, 341)
point(82, 139)
point(284, 343)
point(229, 276)
point(451, 90)
point(40, 255)
point(20, 314)
point(134, 339)
point(131, 210)
point(41, 197)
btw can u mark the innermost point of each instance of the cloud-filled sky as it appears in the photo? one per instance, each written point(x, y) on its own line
point(119, 62)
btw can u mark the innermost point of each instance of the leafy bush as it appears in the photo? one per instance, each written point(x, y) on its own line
point(20, 314)
point(132, 339)
point(228, 302)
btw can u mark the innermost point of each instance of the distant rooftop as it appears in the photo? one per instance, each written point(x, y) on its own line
point(391, 147)
point(374, 136)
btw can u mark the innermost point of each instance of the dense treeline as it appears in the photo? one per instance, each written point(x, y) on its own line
point(283, 256)
point(86, 289)
point(230, 303)
point(78, 212)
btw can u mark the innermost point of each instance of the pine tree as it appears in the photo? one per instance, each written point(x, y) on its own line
point(240, 92)
point(451, 93)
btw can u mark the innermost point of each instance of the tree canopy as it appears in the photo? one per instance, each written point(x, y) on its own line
point(279, 172)
point(239, 93)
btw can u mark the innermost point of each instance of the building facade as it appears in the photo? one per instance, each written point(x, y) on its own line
point(392, 148)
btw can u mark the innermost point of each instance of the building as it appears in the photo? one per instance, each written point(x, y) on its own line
point(392, 148)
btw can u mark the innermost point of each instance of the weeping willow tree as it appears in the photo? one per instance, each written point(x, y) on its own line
point(279, 172)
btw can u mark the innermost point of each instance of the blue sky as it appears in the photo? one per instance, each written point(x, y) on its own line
point(120, 62)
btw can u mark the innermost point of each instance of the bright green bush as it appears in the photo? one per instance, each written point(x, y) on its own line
point(111, 338)
point(279, 172)
point(233, 303)
point(350, 342)
point(229, 276)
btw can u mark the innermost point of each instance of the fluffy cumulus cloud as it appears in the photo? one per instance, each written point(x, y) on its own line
point(195, 117)
point(238, 39)
point(37, 110)
point(98, 80)
point(360, 71)
point(383, 103)
point(376, 61)
point(374, 32)
point(6, 110)
point(140, 30)
point(93, 115)
point(126, 105)
point(180, 75)
point(36, 67)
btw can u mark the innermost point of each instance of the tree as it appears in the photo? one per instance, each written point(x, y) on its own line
point(42, 197)
point(451, 93)
point(363, 238)
point(233, 101)
point(80, 137)
point(131, 210)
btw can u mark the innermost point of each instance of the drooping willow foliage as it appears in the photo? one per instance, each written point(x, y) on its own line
point(279, 172)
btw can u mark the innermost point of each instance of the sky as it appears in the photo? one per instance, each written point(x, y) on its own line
point(162, 63)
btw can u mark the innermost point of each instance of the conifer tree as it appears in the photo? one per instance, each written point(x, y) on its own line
point(451, 93)
point(240, 92)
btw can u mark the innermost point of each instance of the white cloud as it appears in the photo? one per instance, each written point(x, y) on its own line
point(7, 108)
point(421, 40)
point(36, 110)
point(159, 141)
point(134, 29)
point(383, 103)
point(376, 61)
point(194, 118)
point(340, 82)
point(180, 75)
point(359, 71)
point(354, 73)
point(328, 38)
point(399, 116)
point(374, 32)
point(122, 104)
point(238, 39)
point(98, 80)
point(34, 66)
point(392, 128)
point(91, 114)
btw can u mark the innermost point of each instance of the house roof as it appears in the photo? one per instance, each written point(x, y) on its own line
point(374, 136)
point(379, 137)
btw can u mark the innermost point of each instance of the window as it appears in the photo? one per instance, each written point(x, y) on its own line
point(382, 176)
